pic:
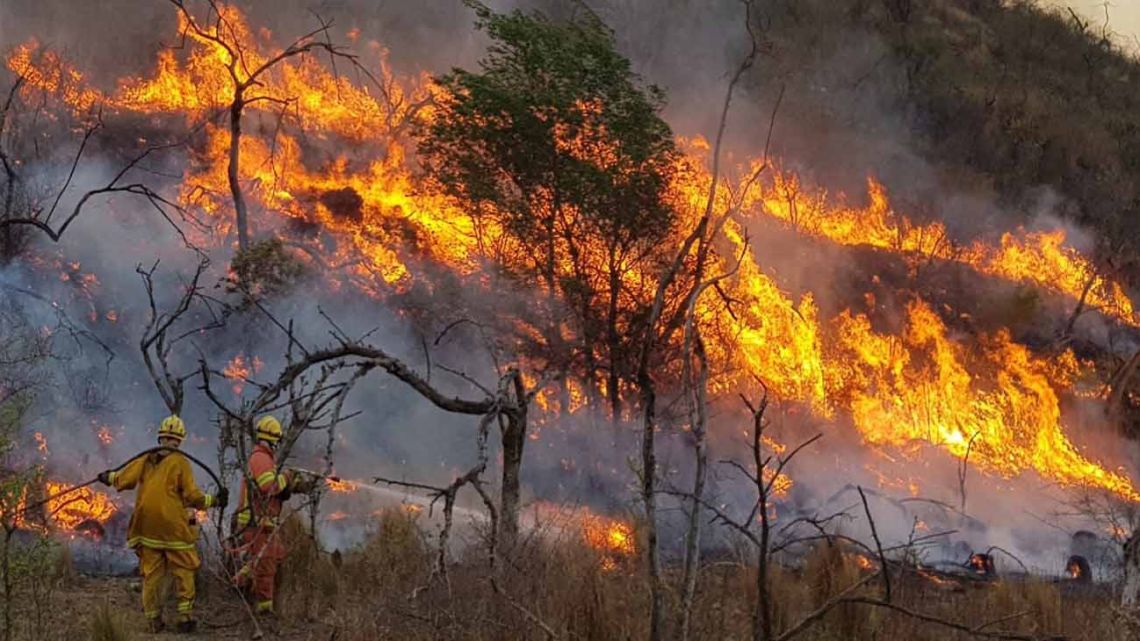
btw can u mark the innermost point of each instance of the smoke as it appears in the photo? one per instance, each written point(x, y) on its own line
point(1120, 19)
point(842, 112)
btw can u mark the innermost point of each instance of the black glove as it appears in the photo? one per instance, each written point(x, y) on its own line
point(222, 498)
point(104, 477)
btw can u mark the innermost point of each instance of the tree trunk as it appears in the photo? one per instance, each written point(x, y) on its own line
point(649, 496)
point(700, 445)
point(6, 568)
point(1130, 597)
point(1080, 308)
point(762, 618)
point(1119, 383)
point(513, 441)
point(613, 341)
point(240, 212)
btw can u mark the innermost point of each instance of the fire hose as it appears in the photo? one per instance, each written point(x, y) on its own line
point(160, 448)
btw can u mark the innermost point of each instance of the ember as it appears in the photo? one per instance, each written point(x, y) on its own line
point(104, 435)
point(982, 564)
point(1077, 569)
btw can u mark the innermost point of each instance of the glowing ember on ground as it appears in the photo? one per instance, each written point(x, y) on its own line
point(612, 538)
point(1073, 570)
point(862, 561)
point(936, 580)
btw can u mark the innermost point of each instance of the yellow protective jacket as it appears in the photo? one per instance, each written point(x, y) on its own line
point(166, 488)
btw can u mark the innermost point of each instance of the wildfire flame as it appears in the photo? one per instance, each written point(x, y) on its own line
point(993, 398)
point(84, 504)
point(239, 371)
point(1073, 570)
point(71, 512)
point(1040, 258)
point(611, 538)
point(337, 485)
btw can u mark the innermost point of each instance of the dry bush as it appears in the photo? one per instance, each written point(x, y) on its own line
point(358, 590)
point(386, 588)
point(828, 570)
point(108, 624)
point(307, 581)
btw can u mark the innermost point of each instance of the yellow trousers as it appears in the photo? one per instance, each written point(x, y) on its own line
point(155, 565)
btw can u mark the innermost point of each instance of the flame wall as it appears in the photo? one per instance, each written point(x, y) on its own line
point(895, 394)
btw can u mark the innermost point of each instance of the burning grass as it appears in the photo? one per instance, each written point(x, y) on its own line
point(385, 588)
point(918, 383)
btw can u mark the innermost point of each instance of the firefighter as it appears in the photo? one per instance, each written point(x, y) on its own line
point(259, 507)
point(159, 531)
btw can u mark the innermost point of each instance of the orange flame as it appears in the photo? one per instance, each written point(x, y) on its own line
point(239, 371)
point(991, 397)
point(340, 486)
point(67, 512)
point(84, 504)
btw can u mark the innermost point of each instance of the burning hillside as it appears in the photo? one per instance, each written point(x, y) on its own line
point(920, 385)
point(594, 274)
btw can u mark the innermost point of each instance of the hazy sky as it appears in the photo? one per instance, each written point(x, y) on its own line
point(1124, 15)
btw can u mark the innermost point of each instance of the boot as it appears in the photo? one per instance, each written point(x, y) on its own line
point(154, 626)
point(269, 621)
point(189, 626)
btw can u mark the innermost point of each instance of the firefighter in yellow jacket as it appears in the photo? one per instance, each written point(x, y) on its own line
point(159, 531)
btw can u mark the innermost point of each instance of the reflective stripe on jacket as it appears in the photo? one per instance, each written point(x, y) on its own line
point(268, 484)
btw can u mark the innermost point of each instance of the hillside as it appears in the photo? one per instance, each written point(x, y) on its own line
point(1030, 107)
point(531, 341)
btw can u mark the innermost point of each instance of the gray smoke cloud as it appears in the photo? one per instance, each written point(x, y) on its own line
point(841, 114)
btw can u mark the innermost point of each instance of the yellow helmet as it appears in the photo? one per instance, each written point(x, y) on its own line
point(269, 429)
point(172, 427)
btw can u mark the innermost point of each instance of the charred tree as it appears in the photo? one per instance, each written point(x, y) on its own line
point(245, 81)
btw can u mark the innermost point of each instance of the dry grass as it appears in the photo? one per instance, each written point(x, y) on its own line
point(386, 589)
point(107, 624)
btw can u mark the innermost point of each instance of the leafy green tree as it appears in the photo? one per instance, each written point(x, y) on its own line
point(559, 152)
